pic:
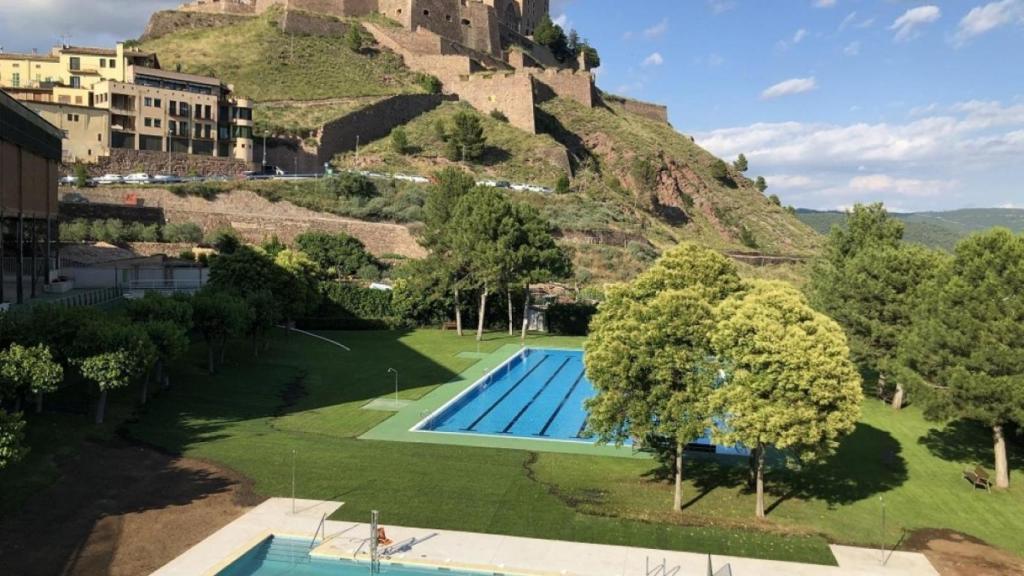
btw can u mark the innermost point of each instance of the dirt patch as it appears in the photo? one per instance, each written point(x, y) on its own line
point(955, 554)
point(120, 510)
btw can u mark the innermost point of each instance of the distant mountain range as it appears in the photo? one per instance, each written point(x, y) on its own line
point(934, 229)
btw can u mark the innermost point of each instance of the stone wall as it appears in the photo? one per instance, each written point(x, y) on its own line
point(168, 21)
point(220, 7)
point(368, 124)
point(510, 93)
point(655, 112)
point(298, 22)
point(568, 84)
point(116, 208)
point(174, 163)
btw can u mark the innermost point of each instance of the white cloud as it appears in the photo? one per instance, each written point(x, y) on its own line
point(789, 87)
point(967, 150)
point(824, 3)
point(562, 20)
point(799, 36)
point(654, 59)
point(852, 49)
point(721, 6)
point(907, 25)
point(983, 19)
point(850, 19)
point(40, 23)
point(906, 187)
point(657, 31)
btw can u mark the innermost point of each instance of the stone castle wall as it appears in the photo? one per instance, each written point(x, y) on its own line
point(656, 112)
point(510, 93)
point(241, 7)
point(568, 84)
point(173, 163)
point(298, 22)
point(169, 21)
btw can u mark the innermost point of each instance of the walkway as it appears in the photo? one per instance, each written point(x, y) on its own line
point(507, 554)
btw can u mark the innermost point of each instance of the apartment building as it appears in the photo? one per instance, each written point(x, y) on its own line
point(132, 103)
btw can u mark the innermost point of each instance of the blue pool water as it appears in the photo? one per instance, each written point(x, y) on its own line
point(536, 394)
point(289, 557)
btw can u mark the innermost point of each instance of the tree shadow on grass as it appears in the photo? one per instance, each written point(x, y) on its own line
point(867, 462)
point(970, 443)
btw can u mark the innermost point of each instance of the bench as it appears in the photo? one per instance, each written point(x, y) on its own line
point(450, 326)
point(978, 478)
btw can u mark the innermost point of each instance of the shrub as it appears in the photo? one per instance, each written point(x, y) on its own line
point(719, 170)
point(368, 272)
point(187, 255)
point(741, 164)
point(563, 185)
point(225, 239)
point(81, 175)
point(183, 232)
point(399, 141)
point(350, 301)
point(572, 319)
point(499, 116)
point(747, 237)
point(430, 84)
point(348, 184)
point(354, 38)
point(642, 251)
point(441, 130)
point(466, 141)
point(75, 231)
point(645, 174)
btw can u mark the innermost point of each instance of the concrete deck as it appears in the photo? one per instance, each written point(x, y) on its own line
point(509, 555)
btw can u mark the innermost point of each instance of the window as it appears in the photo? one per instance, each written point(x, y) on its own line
point(76, 117)
point(113, 63)
point(426, 12)
point(448, 17)
point(197, 131)
point(171, 105)
point(103, 63)
point(148, 122)
point(199, 110)
point(206, 131)
point(75, 63)
point(157, 103)
point(99, 137)
point(171, 124)
point(147, 101)
point(466, 22)
point(209, 112)
point(69, 117)
point(78, 100)
point(156, 123)
point(76, 82)
point(16, 80)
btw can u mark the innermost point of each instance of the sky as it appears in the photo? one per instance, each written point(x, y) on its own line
point(916, 104)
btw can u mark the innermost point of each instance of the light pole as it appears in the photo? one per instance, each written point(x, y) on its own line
point(395, 372)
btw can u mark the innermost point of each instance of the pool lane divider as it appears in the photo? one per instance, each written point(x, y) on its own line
point(544, 431)
point(535, 396)
point(505, 395)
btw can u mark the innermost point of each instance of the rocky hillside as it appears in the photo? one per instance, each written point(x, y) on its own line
point(638, 184)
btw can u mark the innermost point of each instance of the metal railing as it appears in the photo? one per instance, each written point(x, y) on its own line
point(321, 526)
point(164, 286)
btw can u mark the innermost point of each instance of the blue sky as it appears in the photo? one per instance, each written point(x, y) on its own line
point(917, 104)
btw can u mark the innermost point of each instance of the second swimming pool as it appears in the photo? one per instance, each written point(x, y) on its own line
point(538, 394)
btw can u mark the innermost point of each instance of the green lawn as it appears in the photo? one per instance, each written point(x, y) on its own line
point(252, 418)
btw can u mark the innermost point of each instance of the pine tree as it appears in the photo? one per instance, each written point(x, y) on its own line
point(740, 164)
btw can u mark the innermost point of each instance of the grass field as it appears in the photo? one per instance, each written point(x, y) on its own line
point(304, 399)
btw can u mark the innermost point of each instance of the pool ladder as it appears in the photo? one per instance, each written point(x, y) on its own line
point(321, 526)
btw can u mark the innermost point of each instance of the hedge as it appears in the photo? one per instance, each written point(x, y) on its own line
point(355, 302)
point(572, 319)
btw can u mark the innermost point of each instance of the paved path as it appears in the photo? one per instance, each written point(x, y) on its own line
point(507, 554)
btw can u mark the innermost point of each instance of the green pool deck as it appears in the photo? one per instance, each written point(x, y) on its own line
point(398, 428)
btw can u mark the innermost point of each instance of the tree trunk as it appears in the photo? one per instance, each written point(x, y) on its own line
point(752, 469)
point(458, 314)
point(101, 406)
point(209, 363)
point(526, 311)
point(145, 389)
point(760, 482)
point(480, 321)
point(1002, 469)
point(897, 397)
point(677, 501)
point(511, 330)
point(39, 402)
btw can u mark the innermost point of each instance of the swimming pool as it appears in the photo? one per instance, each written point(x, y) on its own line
point(538, 394)
point(277, 556)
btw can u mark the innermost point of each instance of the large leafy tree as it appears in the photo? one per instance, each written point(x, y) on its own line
point(537, 257)
point(790, 384)
point(451, 267)
point(963, 356)
point(29, 369)
point(109, 371)
point(649, 348)
point(300, 295)
point(866, 280)
point(337, 254)
point(112, 355)
point(218, 317)
point(167, 321)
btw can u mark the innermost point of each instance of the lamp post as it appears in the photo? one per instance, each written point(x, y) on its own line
point(395, 372)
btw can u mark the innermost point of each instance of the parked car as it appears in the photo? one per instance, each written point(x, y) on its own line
point(109, 179)
point(74, 198)
point(408, 178)
point(138, 178)
point(166, 179)
point(67, 181)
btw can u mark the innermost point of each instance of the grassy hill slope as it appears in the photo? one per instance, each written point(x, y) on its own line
point(935, 229)
point(266, 64)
